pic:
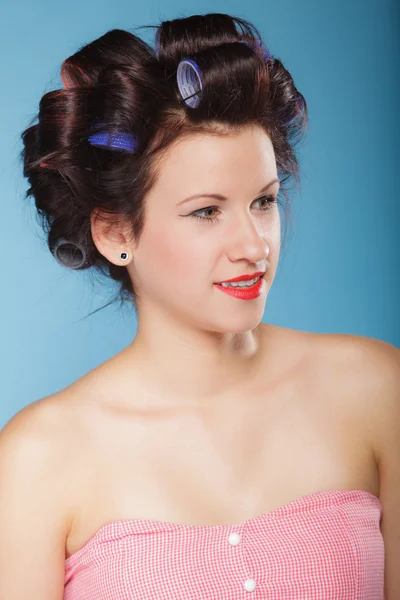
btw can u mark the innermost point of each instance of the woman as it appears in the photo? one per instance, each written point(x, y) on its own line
point(215, 456)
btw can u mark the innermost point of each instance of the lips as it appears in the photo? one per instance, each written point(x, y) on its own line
point(244, 277)
point(244, 293)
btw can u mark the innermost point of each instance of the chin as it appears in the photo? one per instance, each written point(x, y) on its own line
point(235, 323)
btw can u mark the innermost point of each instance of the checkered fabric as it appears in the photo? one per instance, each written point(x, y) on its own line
point(323, 546)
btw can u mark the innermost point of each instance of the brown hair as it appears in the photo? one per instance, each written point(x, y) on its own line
point(120, 81)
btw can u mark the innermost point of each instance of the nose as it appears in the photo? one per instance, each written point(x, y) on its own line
point(247, 240)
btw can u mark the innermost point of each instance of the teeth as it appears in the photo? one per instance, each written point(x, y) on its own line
point(241, 283)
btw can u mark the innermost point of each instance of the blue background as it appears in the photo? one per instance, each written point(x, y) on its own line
point(339, 269)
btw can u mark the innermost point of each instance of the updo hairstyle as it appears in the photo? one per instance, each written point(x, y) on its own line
point(120, 84)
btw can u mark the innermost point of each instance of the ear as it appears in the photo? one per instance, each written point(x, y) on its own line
point(111, 235)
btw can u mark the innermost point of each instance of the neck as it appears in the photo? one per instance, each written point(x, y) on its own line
point(192, 366)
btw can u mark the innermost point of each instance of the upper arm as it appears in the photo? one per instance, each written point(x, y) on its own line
point(32, 526)
point(382, 374)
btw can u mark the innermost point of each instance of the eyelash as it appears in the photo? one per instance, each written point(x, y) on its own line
point(271, 201)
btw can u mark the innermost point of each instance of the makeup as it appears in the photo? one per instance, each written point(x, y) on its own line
point(244, 293)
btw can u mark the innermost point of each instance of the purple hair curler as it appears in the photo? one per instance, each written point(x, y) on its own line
point(190, 83)
point(111, 140)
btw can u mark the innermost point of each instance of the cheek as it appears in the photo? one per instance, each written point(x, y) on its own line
point(173, 254)
point(276, 235)
point(274, 231)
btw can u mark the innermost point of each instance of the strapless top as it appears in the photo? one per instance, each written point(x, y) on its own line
point(323, 546)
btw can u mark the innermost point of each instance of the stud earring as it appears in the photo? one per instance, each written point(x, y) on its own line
point(124, 256)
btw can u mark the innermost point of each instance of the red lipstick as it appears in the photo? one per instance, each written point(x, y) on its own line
point(244, 293)
point(244, 277)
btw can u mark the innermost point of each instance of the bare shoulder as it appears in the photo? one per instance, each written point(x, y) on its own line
point(376, 378)
point(367, 370)
point(372, 366)
point(361, 371)
point(36, 445)
point(36, 469)
point(370, 374)
point(42, 423)
point(360, 360)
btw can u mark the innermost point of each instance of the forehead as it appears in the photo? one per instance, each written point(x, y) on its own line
point(207, 158)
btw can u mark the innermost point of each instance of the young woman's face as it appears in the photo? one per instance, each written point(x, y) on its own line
point(187, 246)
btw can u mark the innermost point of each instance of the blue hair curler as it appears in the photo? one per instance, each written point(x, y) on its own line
point(114, 140)
point(190, 83)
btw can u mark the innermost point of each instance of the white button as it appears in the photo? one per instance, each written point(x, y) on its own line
point(234, 538)
point(250, 585)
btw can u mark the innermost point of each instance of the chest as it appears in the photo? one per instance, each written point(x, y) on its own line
point(224, 464)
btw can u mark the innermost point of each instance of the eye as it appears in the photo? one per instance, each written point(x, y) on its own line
point(270, 201)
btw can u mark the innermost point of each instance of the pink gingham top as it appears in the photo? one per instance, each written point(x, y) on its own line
point(324, 545)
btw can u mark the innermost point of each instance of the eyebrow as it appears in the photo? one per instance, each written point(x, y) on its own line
point(220, 197)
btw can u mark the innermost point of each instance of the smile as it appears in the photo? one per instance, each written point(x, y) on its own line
point(243, 290)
